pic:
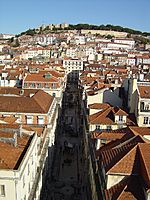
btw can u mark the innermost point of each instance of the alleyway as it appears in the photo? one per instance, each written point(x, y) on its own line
point(68, 179)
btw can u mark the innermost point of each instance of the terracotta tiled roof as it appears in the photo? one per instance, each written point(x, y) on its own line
point(119, 111)
point(9, 154)
point(126, 164)
point(10, 91)
point(99, 106)
point(40, 78)
point(114, 191)
point(106, 116)
point(145, 162)
point(39, 103)
point(130, 188)
point(140, 130)
point(107, 135)
point(10, 119)
point(111, 156)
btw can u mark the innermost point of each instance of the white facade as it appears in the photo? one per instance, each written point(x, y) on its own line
point(118, 46)
point(131, 61)
point(18, 183)
point(80, 39)
point(71, 65)
point(71, 52)
point(45, 39)
point(128, 41)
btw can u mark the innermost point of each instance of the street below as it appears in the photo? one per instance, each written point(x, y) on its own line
point(68, 178)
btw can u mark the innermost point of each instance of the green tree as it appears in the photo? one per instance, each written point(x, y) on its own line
point(108, 36)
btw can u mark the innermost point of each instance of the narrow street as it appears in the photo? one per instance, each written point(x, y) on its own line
point(68, 179)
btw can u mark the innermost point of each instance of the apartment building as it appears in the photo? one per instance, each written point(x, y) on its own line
point(111, 118)
point(139, 101)
point(72, 67)
point(18, 166)
point(49, 81)
point(121, 165)
point(129, 41)
point(29, 109)
point(11, 77)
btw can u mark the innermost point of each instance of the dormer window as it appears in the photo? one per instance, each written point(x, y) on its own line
point(120, 118)
point(98, 127)
point(48, 75)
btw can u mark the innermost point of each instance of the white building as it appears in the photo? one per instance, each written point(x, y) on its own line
point(18, 168)
point(113, 45)
point(128, 41)
point(80, 39)
point(45, 39)
point(72, 65)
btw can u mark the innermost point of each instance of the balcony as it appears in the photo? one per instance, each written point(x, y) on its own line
point(120, 122)
point(144, 110)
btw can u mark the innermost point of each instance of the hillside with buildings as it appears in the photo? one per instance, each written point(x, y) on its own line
point(75, 114)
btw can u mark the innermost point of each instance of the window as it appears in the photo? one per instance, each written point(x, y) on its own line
point(147, 107)
point(142, 106)
point(2, 190)
point(103, 141)
point(145, 120)
point(108, 127)
point(120, 118)
point(46, 85)
point(32, 85)
point(54, 95)
point(98, 127)
point(25, 85)
point(53, 85)
point(40, 120)
point(29, 119)
point(39, 85)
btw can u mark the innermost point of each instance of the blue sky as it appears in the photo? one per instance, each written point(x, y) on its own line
point(19, 15)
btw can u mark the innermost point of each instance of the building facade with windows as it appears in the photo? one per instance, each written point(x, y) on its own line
point(142, 109)
point(38, 108)
point(111, 118)
point(139, 101)
point(49, 81)
point(18, 166)
point(73, 66)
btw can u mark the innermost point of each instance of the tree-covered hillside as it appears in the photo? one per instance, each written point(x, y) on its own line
point(86, 26)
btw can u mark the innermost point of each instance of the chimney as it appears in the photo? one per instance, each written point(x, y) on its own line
point(21, 92)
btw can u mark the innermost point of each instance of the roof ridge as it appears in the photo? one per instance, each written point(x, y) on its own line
point(101, 113)
point(142, 156)
point(34, 97)
point(125, 156)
